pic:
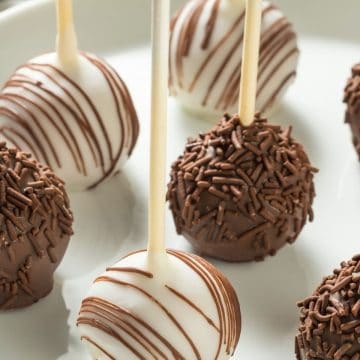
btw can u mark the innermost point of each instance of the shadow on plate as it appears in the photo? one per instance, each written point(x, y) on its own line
point(268, 292)
point(103, 217)
point(40, 331)
point(73, 292)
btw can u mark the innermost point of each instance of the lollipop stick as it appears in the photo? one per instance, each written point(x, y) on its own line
point(249, 69)
point(159, 92)
point(66, 44)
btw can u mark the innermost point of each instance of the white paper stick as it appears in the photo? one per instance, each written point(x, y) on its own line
point(159, 93)
point(66, 42)
point(250, 62)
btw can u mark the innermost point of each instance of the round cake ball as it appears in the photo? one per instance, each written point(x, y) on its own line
point(80, 120)
point(35, 228)
point(330, 317)
point(206, 51)
point(165, 306)
point(352, 99)
point(240, 193)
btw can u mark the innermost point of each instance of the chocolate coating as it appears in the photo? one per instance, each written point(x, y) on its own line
point(206, 44)
point(143, 308)
point(35, 228)
point(330, 317)
point(352, 99)
point(240, 193)
point(80, 121)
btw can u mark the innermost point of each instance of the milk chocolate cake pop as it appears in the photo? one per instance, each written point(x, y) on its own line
point(245, 188)
point(240, 193)
point(206, 49)
point(71, 110)
point(352, 99)
point(35, 228)
point(159, 304)
point(330, 317)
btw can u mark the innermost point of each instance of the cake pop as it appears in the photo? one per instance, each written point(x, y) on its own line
point(157, 303)
point(205, 53)
point(352, 99)
point(71, 110)
point(135, 310)
point(245, 188)
point(35, 227)
point(239, 193)
point(330, 317)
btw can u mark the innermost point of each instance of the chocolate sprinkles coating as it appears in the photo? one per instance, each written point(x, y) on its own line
point(129, 329)
point(254, 207)
point(206, 50)
point(352, 99)
point(35, 228)
point(59, 117)
point(330, 317)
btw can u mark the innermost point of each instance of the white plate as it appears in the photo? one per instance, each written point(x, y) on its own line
point(111, 220)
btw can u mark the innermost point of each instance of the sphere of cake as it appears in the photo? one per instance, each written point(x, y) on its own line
point(352, 99)
point(170, 306)
point(330, 317)
point(206, 52)
point(35, 228)
point(240, 193)
point(79, 120)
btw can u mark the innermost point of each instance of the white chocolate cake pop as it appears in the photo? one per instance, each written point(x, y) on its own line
point(71, 110)
point(159, 304)
point(136, 310)
point(205, 56)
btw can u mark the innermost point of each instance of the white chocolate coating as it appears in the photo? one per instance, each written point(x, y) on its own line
point(174, 306)
point(80, 120)
point(206, 52)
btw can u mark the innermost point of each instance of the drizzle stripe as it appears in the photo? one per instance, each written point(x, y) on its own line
point(25, 85)
point(122, 311)
point(125, 326)
point(131, 270)
point(14, 100)
point(97, 346)
point(184, 298)
point(188, 30)
point(82, 119)
point(60, 91)
point(108, 330)
point(15, 83)
point(203, 271)
point(163, 308)
point(22, 123)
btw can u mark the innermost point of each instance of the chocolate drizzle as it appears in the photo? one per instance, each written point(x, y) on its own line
point(240, 193)
point(224, 297)
point(352, 99)
point(35, 228)
point(131, 270)
point(216, 57)
point(122, 323)
point(330, 317)
point(67, 108)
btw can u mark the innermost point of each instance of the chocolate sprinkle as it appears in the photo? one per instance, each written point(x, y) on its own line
point(352, 99)
point(247, 195)
point(330, 317)
point(33, 236)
